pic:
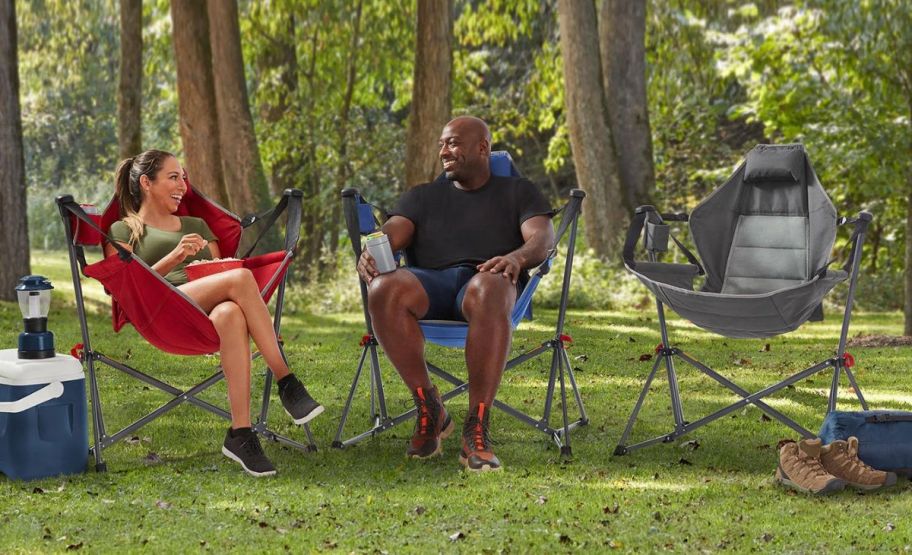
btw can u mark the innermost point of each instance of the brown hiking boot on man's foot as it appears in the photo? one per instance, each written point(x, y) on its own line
point(476, 445)
point(800, 468)
point(432, 425)
point(840, 459)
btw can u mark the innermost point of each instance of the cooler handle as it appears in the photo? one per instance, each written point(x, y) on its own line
point(46, 393)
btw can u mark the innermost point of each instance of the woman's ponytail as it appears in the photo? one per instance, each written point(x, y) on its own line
point(127, 190)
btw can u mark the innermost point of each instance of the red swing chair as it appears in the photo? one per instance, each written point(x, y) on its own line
point(162, 314)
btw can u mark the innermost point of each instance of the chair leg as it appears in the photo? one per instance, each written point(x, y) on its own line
point(337, 441)
point(565, 450)
point(861, 399)
point(584, 418)
point(621, 448)
point(98, 426)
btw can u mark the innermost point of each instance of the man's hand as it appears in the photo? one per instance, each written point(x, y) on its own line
point(508, 265)
point(367, 268)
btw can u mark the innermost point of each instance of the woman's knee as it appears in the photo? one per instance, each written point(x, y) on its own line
point(241, 280)
point(227, 317)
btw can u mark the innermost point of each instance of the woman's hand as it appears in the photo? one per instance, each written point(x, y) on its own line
point(189, 245)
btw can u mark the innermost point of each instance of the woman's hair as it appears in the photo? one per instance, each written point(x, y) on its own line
point(127, 191)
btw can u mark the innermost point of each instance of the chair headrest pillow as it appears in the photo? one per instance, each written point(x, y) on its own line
point(776, 163)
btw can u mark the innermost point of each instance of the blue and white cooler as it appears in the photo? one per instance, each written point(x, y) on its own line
point(43, 416)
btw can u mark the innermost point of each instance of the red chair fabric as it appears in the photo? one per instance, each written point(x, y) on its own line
point(159, 311)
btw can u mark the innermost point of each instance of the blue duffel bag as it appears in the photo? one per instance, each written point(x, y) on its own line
point(884, 436)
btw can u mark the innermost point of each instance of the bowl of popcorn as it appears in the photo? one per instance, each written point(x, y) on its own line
point(202, 268)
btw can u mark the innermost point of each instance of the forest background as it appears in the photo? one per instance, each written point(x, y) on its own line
point(633, 101)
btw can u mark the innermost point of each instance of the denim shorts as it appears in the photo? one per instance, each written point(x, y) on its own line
point(446, 289)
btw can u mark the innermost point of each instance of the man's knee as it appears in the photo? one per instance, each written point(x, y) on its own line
point(399, 290)
point(489, 295)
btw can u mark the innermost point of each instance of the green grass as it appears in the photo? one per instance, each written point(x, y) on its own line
point(370, 498)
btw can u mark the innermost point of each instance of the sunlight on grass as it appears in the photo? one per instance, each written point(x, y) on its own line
point(718, 491)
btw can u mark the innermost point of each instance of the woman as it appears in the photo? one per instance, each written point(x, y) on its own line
point(149, 189)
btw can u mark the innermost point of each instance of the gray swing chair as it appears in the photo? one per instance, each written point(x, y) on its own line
point(764, 238)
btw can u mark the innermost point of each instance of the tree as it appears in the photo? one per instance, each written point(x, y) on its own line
point(199, 127)
point(14, 245)
point(590, 133)
point(622, 40)
point(431, 96)
point(245, 180)
point(129, 97)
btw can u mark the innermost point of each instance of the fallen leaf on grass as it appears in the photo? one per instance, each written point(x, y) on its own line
point(74, 546)
point(613, 510)
point(645, 356)
point(691, 445)
point(164, 505)
point(419, 510)
point(742, 362)
point(152, 458)
point(766, 537)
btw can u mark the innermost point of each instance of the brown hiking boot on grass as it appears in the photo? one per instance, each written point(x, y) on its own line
point(800, 468)
point(432, 425)
point(477, 455)
point(840, 459)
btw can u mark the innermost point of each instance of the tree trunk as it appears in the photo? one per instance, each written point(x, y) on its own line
point(344, 117)
point(622, 36)
point(430, 109)
point(14, 245)
point(129, 99)
point(241, 164)
point(907, 275)
point(196, 99)
point(587, 118)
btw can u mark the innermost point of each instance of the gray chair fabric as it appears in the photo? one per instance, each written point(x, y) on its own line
point(764, 238)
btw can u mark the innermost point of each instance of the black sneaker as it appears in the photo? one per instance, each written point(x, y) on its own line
point(298, 403)
point(243, 446)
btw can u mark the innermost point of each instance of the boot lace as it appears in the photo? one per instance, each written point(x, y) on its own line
point(858, 465)
point(475, 430)
point(812, 466)
point(428, 412)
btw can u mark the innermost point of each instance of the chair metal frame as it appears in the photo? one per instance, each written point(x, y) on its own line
point(90, 357)
point(561, 370)
point(666, 352)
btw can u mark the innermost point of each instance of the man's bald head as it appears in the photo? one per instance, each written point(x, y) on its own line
point(465, 149)
point(471, 124)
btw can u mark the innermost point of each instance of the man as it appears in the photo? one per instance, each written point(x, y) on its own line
point(470, 237)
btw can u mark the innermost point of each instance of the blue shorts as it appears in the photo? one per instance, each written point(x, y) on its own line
point(446, 289)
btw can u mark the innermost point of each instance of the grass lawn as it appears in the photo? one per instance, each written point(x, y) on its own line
point(720, 496)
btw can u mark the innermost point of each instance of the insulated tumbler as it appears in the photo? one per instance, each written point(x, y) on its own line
point(379, 248)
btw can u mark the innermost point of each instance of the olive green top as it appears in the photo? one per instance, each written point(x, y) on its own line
point(155, 244)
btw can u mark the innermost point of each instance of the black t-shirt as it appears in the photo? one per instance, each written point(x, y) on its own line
point(454, 227)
